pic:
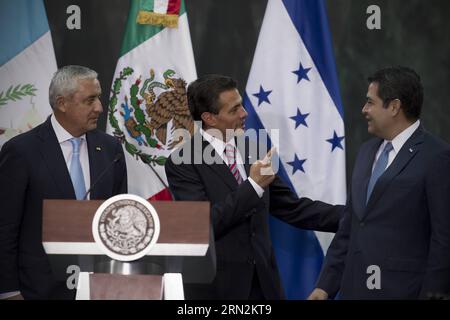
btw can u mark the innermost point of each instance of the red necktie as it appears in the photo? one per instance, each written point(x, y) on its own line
point(230, 153)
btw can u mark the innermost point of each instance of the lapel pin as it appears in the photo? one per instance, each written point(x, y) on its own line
point(410, 150)
point(100, 149)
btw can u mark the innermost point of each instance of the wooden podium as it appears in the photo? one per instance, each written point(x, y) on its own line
point(185, 248)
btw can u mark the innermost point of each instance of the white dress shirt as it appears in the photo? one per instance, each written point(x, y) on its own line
point(397, 143)
point(219, 145)
point(66, 146)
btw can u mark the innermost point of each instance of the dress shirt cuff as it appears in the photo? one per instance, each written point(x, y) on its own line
point(7, 295)
point(259, 191)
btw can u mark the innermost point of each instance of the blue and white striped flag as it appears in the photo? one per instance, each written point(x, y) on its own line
point(27, 64)
point(293, 87)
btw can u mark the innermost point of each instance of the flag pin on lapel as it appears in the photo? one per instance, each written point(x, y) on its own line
point(100, 148)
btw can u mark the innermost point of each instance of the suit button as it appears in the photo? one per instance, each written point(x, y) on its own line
point(361, 224)
point(250, 213)
point(253, 234)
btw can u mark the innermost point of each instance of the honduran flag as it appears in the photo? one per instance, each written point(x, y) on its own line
point(293, 87)
point(27, 64)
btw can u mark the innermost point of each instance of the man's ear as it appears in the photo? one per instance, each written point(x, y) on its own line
point(395, 106)
point(209, 119)
point(60, 104)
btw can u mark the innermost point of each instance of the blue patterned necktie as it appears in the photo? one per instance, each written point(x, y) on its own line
point(76, 172)
point(379, 168)
point(230, 153)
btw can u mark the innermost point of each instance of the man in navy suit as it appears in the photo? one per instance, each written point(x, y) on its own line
point(59, 159)
point(242, 192)
point(394, 239)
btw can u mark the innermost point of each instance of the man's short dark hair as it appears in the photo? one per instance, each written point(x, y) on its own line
point(203, 94)
point(400, 83)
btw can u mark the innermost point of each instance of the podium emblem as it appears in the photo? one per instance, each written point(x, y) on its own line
point(126, 227)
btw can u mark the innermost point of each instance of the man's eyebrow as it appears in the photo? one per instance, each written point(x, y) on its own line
point(236, 106)
point(93, 96)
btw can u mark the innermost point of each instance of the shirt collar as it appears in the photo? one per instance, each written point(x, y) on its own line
point(218, 144)
point(61, 134)
point(402, 137)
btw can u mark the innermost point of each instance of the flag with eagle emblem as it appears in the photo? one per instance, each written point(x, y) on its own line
point(148, 95)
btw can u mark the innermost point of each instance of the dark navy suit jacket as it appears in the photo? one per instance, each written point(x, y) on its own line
point(240, 222)
point(32, 168)
point(404, 229)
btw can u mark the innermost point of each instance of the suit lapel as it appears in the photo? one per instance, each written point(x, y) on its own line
point(359, 187)
point(407, 152)
point(244, 152)
point(218, 166)
point(54, 159)
point(95, 161)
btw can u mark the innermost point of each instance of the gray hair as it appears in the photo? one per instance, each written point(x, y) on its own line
point(65, 81)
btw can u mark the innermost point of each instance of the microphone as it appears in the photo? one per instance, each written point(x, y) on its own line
point(116, 159)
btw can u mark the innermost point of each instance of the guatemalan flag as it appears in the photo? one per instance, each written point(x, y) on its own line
point(293, 87)
point(27, 64)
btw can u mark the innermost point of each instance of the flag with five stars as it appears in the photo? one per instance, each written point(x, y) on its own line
point(293, 87)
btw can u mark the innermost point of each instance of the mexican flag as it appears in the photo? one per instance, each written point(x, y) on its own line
point(27, 64)
point(148, 96)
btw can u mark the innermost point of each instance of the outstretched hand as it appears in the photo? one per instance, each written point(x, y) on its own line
point(318, 294)
point(262, 172)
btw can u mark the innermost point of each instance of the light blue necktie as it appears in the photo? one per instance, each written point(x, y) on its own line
point(76, 172)
point(379, 168)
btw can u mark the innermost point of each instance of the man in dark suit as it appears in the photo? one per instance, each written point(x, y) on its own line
point(211, 168)
point(59, 159)
point(394, 239)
